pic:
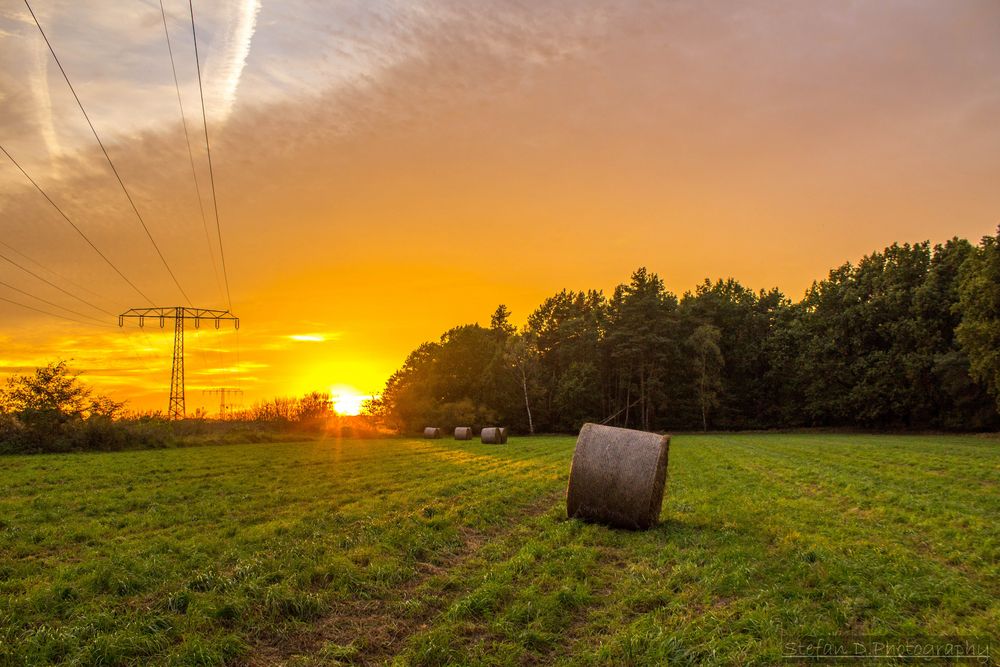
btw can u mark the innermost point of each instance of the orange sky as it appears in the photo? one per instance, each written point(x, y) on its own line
point(386, 170)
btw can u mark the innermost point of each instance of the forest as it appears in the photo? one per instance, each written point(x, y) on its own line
point(907, 338)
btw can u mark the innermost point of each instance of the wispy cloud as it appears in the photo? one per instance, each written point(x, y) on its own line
point(43, 99)
point(314, 337)
point(240, 370)
point(225, 79)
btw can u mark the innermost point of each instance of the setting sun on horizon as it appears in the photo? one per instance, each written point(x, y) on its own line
point(347, 401)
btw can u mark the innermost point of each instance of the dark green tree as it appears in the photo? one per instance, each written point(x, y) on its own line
point(707, 361)
point(565, 329)
point(642, 339)
point(500, 322)
point(747, 322)
point(979, 305)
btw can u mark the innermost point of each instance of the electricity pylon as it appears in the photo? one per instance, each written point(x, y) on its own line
point(179, 315)
point(222, 391)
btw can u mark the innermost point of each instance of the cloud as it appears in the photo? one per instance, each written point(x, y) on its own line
point(43, 100)
point(225, 77)
point(314, 337)
point(243, 367)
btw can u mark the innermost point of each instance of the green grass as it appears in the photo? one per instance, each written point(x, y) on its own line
point(438, 552)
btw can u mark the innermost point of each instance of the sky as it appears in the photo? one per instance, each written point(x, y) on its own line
point(387, 170)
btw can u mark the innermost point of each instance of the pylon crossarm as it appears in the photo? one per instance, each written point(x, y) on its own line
point(164, 314)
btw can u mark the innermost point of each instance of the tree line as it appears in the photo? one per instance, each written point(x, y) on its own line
point(906, 338)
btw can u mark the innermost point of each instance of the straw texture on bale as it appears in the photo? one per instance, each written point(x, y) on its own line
point(617, 476)
point(493, 435)
point(432, 432)
point(463, 433)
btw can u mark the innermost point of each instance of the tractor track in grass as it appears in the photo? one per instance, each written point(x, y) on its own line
point(379, 625)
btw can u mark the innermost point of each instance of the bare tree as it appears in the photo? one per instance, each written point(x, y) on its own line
point(519, 352)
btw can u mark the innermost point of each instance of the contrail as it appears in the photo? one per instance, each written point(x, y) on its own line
point(237, 48)
point(40, 91)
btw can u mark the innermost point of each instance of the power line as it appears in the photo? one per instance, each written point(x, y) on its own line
point(239, 369)
point(106, 155)
point(45, 268)
point(208, 151)
point(46, 312)
point(52, 284)
point(194, 171)
point(147, 361)
point(73, 225)
point(187, 140)
point(47, 302)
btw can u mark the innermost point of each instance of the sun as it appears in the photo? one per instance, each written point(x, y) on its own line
point(347, 400)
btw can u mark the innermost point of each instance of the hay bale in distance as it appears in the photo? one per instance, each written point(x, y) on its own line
point(463, 433)
point(432, 432)
point(617, 476)
point(493, 435)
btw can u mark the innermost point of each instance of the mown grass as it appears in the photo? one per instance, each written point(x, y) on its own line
point(438, 552)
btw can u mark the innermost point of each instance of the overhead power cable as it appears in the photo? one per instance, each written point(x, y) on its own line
point(47, 269)
point(62, 317)
point(111, 163)
point(52, 284)
point(208, 152)
point(73, 225)
point(187, 140)
point(47, 302)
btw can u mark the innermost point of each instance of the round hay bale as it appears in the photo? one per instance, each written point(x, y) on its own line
point(463, 433)
point(617, 476)
point(432, 432)
point(493, 435)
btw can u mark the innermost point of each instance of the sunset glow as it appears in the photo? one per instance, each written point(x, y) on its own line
point(433, 161)
point(347, 401)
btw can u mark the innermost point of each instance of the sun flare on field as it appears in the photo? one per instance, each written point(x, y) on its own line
point(347, 400)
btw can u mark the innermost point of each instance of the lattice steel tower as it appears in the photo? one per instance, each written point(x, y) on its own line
point(179, 315)
point(223, 392)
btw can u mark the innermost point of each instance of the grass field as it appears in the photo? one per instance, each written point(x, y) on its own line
point(437, 552)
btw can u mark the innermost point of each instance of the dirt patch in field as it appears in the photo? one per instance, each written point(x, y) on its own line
point(372, 631)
